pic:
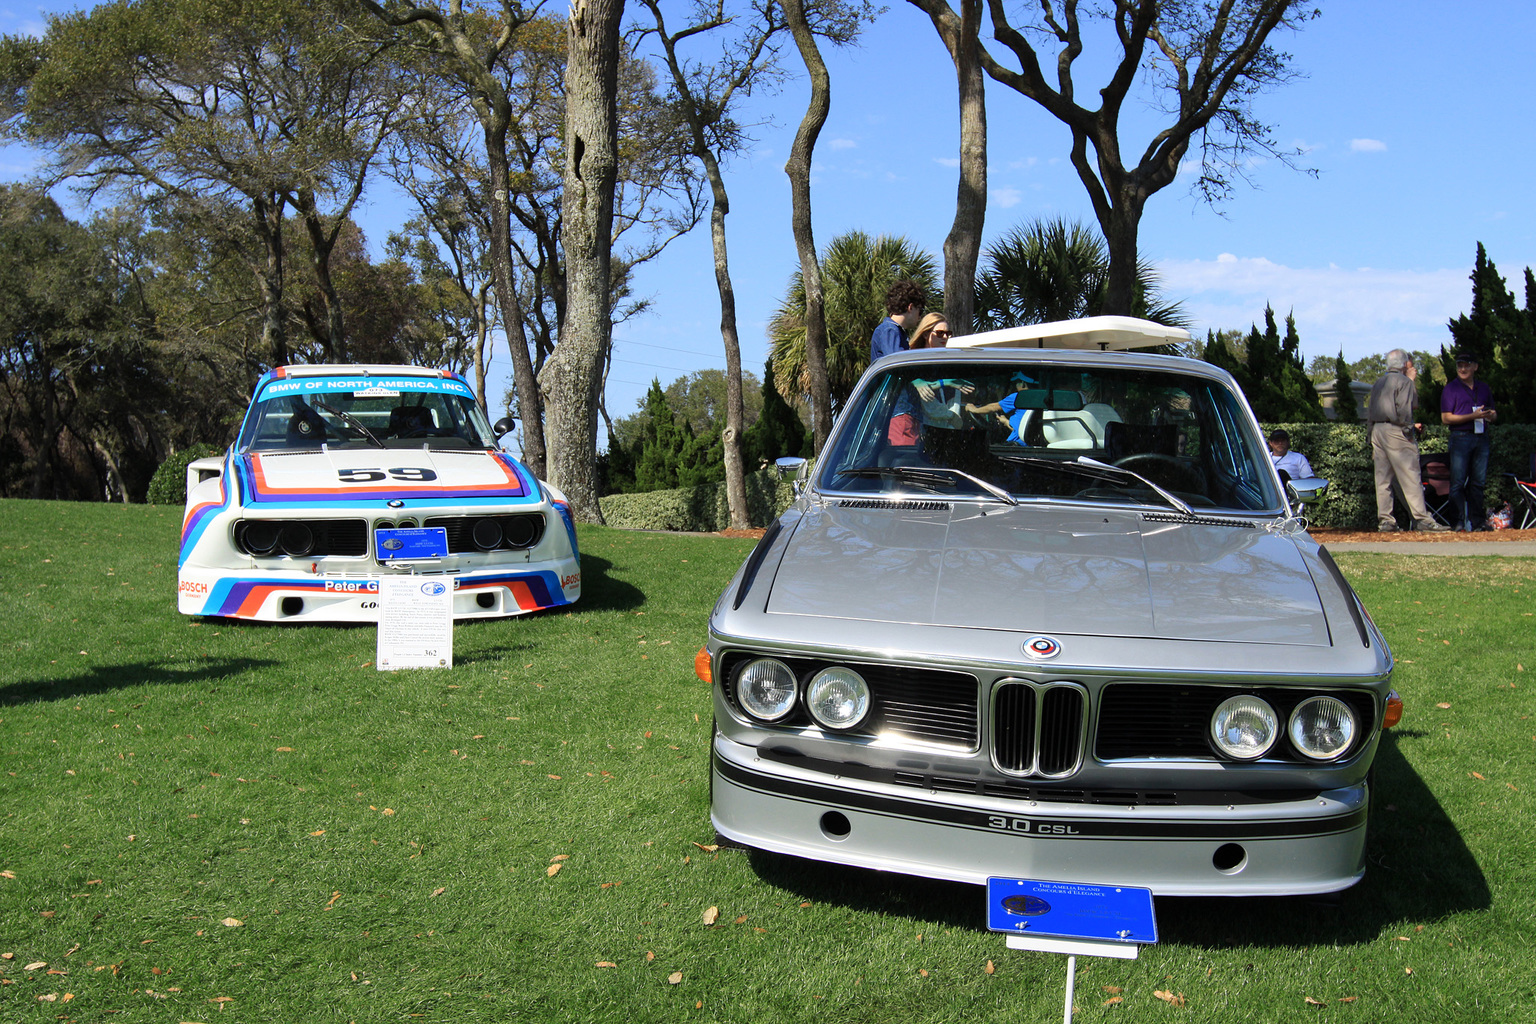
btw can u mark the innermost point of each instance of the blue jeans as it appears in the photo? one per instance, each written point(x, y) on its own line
point(1469, 475)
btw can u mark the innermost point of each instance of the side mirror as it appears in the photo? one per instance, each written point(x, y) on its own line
point(1308, 490)
point(504, 425)
point(792, 467)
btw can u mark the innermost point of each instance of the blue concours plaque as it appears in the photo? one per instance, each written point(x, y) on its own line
point(1070, 917)
point(411, 543)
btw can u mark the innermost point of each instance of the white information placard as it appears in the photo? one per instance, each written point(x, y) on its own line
point(415, 622)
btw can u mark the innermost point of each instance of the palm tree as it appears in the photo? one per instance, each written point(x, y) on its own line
point(856, 271)
point(1051, 270)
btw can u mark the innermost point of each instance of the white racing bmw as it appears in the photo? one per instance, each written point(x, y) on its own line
point(345, 474)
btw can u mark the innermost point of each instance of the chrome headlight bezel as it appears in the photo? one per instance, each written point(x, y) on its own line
point(838, 688)
point(1244, 727)
point(1305, 722)
point(766, 689)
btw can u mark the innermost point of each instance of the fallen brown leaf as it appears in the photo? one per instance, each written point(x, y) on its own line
point(1171, 998)
point(1112, 1000)
point(438, 891)
point(1113, 990)
point(606, 963)
point(1442, 706)
point(1479, 775)
point(675, 978)
point(37, 965)
point(1348, 999)
point(1315, 1002)
point(232, 922)
point(557, 858)
point(922, 972)
point(552, 870)
point(708, 847)
point(742, 919)
point(711, 915)
point(991, 968)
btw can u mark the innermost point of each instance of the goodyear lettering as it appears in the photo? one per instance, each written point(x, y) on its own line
point(352, 586)
point(189, 587)
point(1039, 828)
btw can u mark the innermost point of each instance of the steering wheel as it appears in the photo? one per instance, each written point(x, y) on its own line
point(1176, 469)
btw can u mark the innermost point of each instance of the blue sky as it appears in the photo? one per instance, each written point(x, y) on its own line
point(1416, 117)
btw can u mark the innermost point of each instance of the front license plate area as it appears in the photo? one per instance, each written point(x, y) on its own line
point(1070, 910)
point(411, 544)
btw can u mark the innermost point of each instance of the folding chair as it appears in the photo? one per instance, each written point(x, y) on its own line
point(1525, 492)
point(1435, 474)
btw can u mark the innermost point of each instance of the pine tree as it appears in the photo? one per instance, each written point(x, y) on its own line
point(659, 445)
point(1344, 407)
point(778, 431)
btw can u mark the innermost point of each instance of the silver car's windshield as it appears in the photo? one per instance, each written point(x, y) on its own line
point(1024, 427)
point(306, 412)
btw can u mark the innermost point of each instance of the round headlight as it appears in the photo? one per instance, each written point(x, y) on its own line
point(1244, 727)
point(838, 697)
point(766, 688)
point(1322, 728)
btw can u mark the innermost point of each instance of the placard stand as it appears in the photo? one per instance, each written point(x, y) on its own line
point(415, 622)
point(1071, 918)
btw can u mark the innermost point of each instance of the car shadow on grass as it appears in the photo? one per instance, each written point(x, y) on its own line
point(1418, 869)
point(602, 592)
point(110, 678)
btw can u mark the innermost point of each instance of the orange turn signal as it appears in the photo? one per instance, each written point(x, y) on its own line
point(702, 667)
point(1394, 712)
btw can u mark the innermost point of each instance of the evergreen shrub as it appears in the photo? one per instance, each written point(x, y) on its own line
point(169, 484)
point(700, 509)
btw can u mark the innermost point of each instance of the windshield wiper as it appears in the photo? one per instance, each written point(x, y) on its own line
point(931, 475)
point(352, 422)
point(1084, 466)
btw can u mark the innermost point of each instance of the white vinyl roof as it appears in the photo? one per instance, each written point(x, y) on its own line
point(1094, 333)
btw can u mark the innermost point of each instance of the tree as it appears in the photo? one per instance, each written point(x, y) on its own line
point(1502, 336)
point(856, 270)
point(706, 93)
point(962, 246)
point(571, 379)
point(1270, 372)
point(778, 431)
point(211, 104)
point(1051, 270)
point(1345, 408)
point(1208, 59)
point(83, 392)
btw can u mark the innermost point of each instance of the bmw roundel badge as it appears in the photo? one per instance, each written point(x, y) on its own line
point(1042, 647)
point(395, 503)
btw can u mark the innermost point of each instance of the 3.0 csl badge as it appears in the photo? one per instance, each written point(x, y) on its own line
point(1042, 647)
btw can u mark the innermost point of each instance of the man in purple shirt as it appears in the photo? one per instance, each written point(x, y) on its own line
point(1466, 406)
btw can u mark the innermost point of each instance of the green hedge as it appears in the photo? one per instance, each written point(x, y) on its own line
point(169, 484)
point(1341, 454)
point(701, 509)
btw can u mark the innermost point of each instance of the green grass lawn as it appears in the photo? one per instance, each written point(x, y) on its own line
point(208, 821)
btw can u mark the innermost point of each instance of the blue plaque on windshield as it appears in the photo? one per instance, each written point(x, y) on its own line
point(411, 543)
point(1070, 910)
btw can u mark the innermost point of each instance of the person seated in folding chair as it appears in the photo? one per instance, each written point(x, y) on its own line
point(1289, 464)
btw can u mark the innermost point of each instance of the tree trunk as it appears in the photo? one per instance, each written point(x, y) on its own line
point(571, 377)
point(321, 245)
point(735, 409)
point(1120, 232)
point(962, 248)
point(799, 170)
point(274, 321)
point(530, 404)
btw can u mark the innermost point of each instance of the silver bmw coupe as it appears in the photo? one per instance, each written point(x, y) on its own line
point(1044, 609)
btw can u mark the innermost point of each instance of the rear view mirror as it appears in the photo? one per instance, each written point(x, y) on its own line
point(1062, 400)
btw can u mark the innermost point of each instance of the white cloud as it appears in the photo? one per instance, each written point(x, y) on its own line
point(1004, 197)
point(1362, 311)
point(1367, 146)
point(842, 144)
point(947, 161)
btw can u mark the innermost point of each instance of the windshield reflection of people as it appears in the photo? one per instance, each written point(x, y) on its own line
point(1006, 408)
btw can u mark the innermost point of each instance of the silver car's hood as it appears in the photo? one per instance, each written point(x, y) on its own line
point(1049, 569)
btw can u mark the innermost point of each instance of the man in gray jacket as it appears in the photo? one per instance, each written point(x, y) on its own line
point(1395, 445)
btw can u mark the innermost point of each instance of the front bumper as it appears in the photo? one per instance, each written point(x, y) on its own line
point(298, 596)
point(1289, 847)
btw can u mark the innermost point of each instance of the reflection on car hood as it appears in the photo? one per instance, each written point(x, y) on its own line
point(343, 475)
point(1050, 570)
